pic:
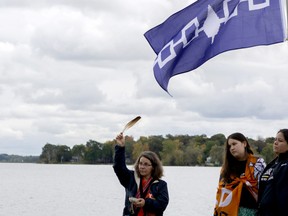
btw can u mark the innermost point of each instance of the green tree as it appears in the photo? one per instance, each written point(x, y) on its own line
point(193, 154)
point(129, 143)
point(201, 139)
point(93, 152)
point(179, 157)
point(63, 153)
point(139, 147)
point(268, 153)
point(207, 147)
point(107, 152)
point(184, 139)
point(270, 140)
point(49, 154)
point(78, 151)
point(219, 139)
point(216, 154)
point(171, 152)
point(155, 144)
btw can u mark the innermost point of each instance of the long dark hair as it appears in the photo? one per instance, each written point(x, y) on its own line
point(228, 167)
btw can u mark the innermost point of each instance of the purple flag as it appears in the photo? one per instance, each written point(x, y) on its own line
point(206, 28)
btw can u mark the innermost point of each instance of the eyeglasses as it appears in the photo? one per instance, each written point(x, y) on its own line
point(144, 164)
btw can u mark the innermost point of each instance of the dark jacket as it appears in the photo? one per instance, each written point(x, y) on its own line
point(130, 181)
point(273, 188)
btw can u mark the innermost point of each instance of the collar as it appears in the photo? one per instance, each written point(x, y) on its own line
point(283, 156)
point(137, 179)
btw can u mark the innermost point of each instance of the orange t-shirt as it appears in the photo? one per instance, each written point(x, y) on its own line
point(144, 182)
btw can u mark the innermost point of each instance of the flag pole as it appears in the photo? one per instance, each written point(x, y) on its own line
point(287, 19)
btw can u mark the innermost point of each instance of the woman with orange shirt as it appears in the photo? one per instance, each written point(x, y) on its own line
point(237, 192)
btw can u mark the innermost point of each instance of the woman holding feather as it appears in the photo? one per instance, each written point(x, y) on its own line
point(146, 193)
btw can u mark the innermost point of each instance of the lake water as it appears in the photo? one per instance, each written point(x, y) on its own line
point(94, 190)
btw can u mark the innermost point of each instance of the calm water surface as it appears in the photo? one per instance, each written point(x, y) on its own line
point(93, 190)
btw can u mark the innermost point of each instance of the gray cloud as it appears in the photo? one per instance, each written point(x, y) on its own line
point(78, 70)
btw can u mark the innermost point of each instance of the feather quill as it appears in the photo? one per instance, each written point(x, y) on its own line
point(131, 123)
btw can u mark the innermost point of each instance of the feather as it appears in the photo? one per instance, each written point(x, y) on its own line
point(131, 123)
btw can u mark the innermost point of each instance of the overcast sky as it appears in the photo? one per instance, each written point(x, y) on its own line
point(72, 70)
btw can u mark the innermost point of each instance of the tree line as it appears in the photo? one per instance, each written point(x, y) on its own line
point(179, 150)
point(5, 158)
